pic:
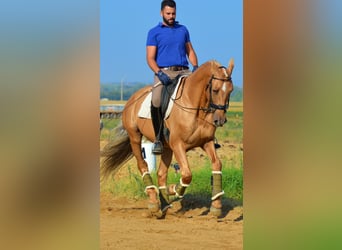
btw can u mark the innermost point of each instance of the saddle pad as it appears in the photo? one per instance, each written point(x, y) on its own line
point(145, 109)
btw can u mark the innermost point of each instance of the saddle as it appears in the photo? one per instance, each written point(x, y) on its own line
point(167, 92)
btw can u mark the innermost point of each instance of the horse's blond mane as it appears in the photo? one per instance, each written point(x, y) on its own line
point(209, 67)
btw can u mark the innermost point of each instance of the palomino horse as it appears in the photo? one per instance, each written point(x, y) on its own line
point(198, 109)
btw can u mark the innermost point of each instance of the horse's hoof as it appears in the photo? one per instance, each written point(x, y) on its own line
point(165, 208)
point(159, 214)
point(155, 210)
point(175, 199)
point(153, 207)
point(217, 212)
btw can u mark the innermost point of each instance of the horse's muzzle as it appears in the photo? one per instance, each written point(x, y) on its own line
point(220, 122)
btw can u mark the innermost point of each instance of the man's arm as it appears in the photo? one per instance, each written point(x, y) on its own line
point(151, 61)
point(151, 52)
point(191, 54)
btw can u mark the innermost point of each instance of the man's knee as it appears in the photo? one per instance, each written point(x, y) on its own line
point(156, 96)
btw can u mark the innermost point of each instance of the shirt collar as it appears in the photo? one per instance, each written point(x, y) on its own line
point(163, 25)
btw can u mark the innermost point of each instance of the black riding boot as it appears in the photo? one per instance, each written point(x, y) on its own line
point(157, 122)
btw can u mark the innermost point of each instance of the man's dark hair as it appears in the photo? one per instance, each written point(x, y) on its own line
point(169, 3)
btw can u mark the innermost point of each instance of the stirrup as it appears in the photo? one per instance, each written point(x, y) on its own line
point(157, 148)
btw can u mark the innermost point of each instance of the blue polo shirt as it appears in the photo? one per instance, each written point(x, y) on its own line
point(170, 43)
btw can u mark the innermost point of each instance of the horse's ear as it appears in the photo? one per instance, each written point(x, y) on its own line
point(230, 66)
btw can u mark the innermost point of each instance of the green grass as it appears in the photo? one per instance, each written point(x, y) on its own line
point(232, 131)
point(133, 186)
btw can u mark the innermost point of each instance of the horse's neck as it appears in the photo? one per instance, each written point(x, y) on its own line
point(195, 96)
point(195, 90)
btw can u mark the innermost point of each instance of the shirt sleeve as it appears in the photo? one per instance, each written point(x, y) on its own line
point(151, 39)
point(187, 35)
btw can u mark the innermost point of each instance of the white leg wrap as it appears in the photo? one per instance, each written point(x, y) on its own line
point(152, 186)
point(216, 172)
point(217, 195)
point(176, 194)
point(220, 193)
point(145, 173)
point(183, 185)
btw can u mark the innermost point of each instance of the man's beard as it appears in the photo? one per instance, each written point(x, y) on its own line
point(168, 21)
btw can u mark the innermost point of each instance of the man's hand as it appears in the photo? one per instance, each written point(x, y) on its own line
point(164, 78)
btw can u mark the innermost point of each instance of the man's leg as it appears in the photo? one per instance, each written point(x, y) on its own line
point(157, 119)
point(157, 124)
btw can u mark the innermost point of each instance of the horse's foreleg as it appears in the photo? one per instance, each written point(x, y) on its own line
point(165, 161)
point(179, 189)
point(216, 179)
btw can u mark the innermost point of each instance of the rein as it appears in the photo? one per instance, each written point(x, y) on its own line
point(212, 106)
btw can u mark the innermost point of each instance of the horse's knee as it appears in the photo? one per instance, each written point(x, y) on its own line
point(161, 173)
point(217, 165)
point(186, 177)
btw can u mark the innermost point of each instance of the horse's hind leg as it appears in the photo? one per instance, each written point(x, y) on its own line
point(150, 189)
point(165, 161)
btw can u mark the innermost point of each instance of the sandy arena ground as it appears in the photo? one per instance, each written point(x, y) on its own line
point(126, 224)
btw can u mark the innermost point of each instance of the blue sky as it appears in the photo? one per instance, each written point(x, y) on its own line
point(215, 28)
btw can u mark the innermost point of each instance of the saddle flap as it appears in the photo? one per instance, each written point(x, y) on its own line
point(168, 93)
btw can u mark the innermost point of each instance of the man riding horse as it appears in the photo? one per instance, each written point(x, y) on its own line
point(167, 48)
point(199, 107)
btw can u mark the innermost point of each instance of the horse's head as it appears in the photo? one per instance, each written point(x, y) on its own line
point(218, 91)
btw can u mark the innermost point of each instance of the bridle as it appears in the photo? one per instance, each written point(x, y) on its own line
point(212, 107)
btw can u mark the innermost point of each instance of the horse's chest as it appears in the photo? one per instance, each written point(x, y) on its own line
point(201, 135)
